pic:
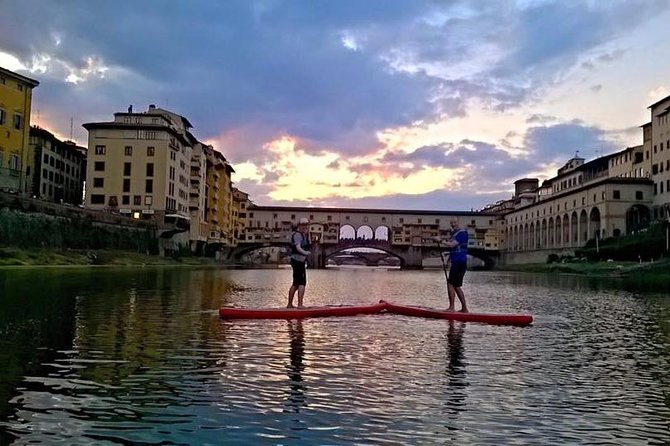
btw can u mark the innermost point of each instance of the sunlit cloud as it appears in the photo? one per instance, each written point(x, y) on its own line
point(11, 62)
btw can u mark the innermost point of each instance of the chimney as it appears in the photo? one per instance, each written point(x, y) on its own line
point(152, 107)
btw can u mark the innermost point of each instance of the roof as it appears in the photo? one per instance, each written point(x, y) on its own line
point(127, 125)
point(363, 211)
point(658, 102)
point(32, 82)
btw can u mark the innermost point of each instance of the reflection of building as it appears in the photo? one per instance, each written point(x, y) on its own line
point(16, 94)
point(55, 170)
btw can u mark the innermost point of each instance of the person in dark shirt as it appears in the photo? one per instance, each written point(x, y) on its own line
point(299, 252)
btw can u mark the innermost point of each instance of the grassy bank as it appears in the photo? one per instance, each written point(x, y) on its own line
point(658, 269)
point(34, 257)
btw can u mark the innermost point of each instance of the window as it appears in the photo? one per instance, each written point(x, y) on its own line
point(616, 195)
point(126, 184)
point(151, 150)
point(14, 162)
point(125, 199)
point(150, 169)
point(100, 150)
point(97, 199)
point(148, 200)
point(329, 218)
point(126, 169)
point(98, 182)
point(18, 122)
point(151, 135)
point(128, 150)
point(99, 166)
point(44, 173)
point(401, 220)
point(149, 186)
point(137, 200)
point(19, 86)
point(2, 116)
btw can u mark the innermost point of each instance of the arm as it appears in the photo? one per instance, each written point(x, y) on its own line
point(298, 245)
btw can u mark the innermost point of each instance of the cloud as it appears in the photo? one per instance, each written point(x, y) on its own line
point(331, 79)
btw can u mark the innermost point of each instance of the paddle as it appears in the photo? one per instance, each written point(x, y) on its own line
point(444, 265)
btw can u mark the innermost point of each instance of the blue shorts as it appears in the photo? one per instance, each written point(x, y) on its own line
point(299, 273)
point(456, 273)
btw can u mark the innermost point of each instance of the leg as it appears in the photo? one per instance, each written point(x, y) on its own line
point(291, 293)
point(301, 295)
point(461, 297)
point(452, 296)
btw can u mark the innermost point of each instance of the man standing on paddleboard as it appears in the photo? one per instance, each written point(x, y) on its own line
point(458, 256)
point(299, 252)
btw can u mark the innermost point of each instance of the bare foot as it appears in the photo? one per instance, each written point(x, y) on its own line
point(301, 306)
point(289, 306)
point(464, 310)
point(450, 309)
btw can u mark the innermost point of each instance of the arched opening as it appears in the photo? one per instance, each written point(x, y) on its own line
point(382, 233)
point(574, 228)
point(566, 230)
point(347, 232)
point(531, 236)
point(559, 233)
point(543, 234)
point(526, 237)
point(551, 231)
point(637, 218)
point(364, 233)
point(583, 226)
point(594, 224)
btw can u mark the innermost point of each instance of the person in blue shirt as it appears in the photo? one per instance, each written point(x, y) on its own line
point(299, 252)
point(458, 256)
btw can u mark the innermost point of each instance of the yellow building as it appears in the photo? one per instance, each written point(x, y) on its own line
point(16, 94)
point(219, 211)
point(240, 204)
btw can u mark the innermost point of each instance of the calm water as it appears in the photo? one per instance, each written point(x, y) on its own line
point(105, 356)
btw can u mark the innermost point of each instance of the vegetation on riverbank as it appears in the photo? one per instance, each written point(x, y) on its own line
point(10, 256)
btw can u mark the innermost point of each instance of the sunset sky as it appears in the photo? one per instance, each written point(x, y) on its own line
point(432, 105)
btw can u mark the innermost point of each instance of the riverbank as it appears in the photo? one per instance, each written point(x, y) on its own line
point(656, 271)
point(10, 256)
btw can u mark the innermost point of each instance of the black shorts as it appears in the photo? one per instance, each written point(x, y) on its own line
point(456, 273)
point(299, 273)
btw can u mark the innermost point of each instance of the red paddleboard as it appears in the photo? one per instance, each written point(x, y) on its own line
point(497, 319)
point(299, 313)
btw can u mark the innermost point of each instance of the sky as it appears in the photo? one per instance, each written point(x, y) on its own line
point(388, 104)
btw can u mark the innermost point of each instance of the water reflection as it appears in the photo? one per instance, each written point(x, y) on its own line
point(456, 376)
point(296, 397)
point(140, 357)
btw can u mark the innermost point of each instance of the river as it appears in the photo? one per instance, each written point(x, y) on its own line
point(124, 356)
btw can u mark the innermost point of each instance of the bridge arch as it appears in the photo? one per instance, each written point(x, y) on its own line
point(382, 232)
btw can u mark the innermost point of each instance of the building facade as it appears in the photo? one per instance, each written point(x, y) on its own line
point(55, 169)
point(16, 92)
point(139, 164)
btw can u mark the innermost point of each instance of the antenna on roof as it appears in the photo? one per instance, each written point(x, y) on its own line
point(576, 153)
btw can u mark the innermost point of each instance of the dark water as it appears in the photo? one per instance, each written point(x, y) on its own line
point(103, 356)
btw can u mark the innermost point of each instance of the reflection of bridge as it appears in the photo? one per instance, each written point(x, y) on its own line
point(411, 257)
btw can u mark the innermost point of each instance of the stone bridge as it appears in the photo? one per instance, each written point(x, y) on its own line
point(410, 256)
